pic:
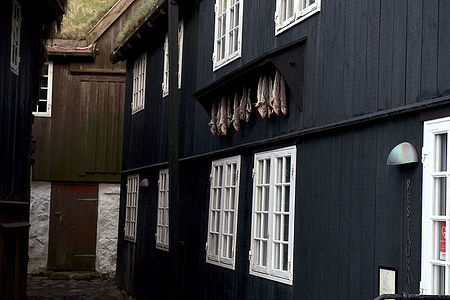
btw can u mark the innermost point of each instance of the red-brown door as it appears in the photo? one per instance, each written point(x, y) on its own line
point(73, 227)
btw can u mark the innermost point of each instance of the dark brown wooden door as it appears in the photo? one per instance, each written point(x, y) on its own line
point(73, 227)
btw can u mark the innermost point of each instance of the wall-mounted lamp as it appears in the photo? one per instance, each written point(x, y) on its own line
point(144, 183)
point(402, 154)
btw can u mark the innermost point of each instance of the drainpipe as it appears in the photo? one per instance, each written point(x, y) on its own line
point(175, 245)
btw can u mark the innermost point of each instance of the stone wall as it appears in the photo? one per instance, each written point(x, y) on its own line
point(39, 229)
point(107, 224)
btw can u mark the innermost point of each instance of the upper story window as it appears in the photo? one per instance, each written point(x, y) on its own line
point(131, 207)
point(15, 37)
point(139, 74)
point(165, 84)
point(44, 106)
point(435, 207)
point(291, 12)
point(162, 227)
point(223, 211)
point(272, 233)
point(228, 32)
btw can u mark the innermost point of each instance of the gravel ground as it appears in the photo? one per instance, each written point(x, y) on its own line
point(71, 289)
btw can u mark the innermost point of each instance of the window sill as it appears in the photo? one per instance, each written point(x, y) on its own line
point(135, 111)
point(163, 248)
point(130, 240)
point(44, 115)
point(226, 61)
point(217, 263)
point(287, 281)
point(309, 13)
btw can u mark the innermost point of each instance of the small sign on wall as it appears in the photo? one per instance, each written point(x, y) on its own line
point(442, 240)
point(387, 280)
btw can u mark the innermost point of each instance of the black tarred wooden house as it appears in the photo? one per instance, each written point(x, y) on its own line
point(335, 186)
point(24, 27)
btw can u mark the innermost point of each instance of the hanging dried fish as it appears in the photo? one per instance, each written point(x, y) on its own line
point(212, 123)
point(275, 98)
point(283, 100)
point(261, 94)
point(236, 112)
point(248, 106)
point(223, 116)
point(218, 117)
point(242, 104)
point(269, 93)
point(229, 112)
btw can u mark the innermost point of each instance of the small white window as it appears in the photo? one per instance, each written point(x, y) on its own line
point(291, 12)
point(228, 32)
point(272, 233)
point(139, 77)
point(165, 84)
point(223, 211)
point(15, 37)
point(435, 208)
point(131, 207)
point(44, 106)
point(162, 227)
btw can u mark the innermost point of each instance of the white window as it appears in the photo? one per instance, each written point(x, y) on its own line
point(165, 84)
point(15, 37)
point(131, 207)
point(139, 74)
point(44, 106)
point(228, 32)
point(223, 211)
point(435, 207)
point(272, 234)
point(291, 12)
point(162, 227)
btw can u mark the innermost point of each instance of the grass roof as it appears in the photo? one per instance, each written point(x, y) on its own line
point(81, 16)
point(136, 19)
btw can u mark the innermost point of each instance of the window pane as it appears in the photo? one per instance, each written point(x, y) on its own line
point(265, 218)
point(287, 169)
point(285, 257)
point(43, 94)
point(231, 227)
point(42, 106)
point(279, 172)
point(286, 198)
point(278, 198)
point(264, 253)
point(277, 229)
point(440, 195)
point(440, 238)
point(441, 152)
point(276, 256)
point(286, 228)
point(258, 226)
point(439, 280)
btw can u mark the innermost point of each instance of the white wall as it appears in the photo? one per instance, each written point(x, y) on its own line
point(39, 220)
point(107, 223)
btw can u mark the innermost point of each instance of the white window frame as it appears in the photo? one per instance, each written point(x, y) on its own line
point(220, 187)
point(302, 10)
point(228, 56)
point(165, 83)
point(162, 220)
point(49, 88)
point(131, 208)
point(139, 79)
point(432, 218)
point(269, 271)
point(16, 21)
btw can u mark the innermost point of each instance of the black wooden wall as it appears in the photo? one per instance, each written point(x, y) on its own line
point(362, 57)
point(15, 133)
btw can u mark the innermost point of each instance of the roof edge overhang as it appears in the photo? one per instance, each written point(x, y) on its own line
point(66, 48)
point(132, 41)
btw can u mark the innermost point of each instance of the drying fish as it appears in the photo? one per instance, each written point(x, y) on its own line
point(212, 123)
point(275, 98)
point(261, 102)
point(223, 116)
point(229, 112)
point(236, 112)
point(218, 117)
point(242, 104)
point(269, 93)
point(283, 100)
point(248, 106)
